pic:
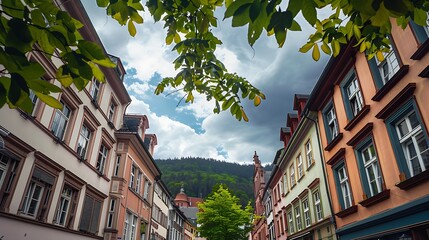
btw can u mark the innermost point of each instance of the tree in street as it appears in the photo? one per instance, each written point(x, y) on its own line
point(222, 218)
point(38, 25)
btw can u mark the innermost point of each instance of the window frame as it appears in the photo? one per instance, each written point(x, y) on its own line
point(306, 213)
point(363, 167)
point(391, 123)
point(56, 121)
point(300, 166)
point(292, 175)
point(338, 183)
point(330, 136)
point(375, 68)
point(290, 218)
point(352, 78)
point(97, 197)
point(297, 215)
point(309, 153)
point(317, 202)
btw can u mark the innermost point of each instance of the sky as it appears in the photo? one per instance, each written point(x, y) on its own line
point(184, 129)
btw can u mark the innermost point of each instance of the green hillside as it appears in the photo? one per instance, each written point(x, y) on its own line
point(199, 175)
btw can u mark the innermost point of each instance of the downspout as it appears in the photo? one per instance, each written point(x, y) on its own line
point(323, 168)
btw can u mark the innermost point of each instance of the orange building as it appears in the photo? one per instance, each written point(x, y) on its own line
point(259, 230)
point(373, 118)
point(134, 175)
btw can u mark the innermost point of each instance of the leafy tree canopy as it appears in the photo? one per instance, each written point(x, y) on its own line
point(222, 218)
point(38, 25)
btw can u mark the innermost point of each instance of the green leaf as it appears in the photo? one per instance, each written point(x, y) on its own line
point(396, 6)
point(316, 52)
point(98, 74)
point(294, 6)
point(241, 16)
point(306, 47)
point(49, 100)
point(227, 104)
point(102, 3)
point(280, 37)
point(131, 28)
point(230, 11)
point(420, 17)
point(255, 10)
point(325, 48)
point(309, 11)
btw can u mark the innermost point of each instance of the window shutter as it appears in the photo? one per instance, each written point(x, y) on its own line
point(375, 73)
point(95, 217)
point(85, 219)
point(419, 31)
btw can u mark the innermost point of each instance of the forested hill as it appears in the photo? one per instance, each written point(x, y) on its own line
point(199, 175)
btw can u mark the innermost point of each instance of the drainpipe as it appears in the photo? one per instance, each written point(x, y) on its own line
point(315, 121)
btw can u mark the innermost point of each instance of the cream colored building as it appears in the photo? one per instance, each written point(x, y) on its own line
point(55, 164)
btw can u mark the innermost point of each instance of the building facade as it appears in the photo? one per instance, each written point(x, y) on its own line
point(160, 211)
point(373, 120)
point(56, 164)
point(259, 230)
point(300, 196)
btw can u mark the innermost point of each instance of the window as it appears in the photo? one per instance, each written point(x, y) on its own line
point(306, 208)
point(343, 184)
point(139, 179)
point(111, 213)
point(298, 218)
point(111, 112)
point(132, 176)
point(90, 218)
point(317, 206)
point(290, 222)
point(117, 165)
point(33, 99)
point(83, 143)
point(389, 66)
point(351, 94)
point(61, 119)
point(309, 153)
point(330, 120)
point(95, 89)
point(300, 166)
point(66, 206)
point(38, 194)
point(102, 157)
point(410, 140)
point(147, 186)
point(286, 188)
point(130, 226)
point(370, 170)
point(292, 175)
point(8, 169)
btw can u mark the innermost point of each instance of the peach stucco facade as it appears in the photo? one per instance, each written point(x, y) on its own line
point(384, 108)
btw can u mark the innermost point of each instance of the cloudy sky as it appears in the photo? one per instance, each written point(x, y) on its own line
point(192, 129)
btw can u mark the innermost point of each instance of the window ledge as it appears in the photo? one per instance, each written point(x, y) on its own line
point(347, 212)
point(414, 181)
point(391, 83)
point(424, 73)
point(421, 51)
point(406, 93)
point(379, 197)
point(362, 113)
point(334, 142)
point(310, 166)
point(95, 103)
point(111, 125)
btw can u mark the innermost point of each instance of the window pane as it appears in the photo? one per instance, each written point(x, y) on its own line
point(424, 149)
point(403, 128)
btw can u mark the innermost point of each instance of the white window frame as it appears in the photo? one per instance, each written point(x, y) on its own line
point(298, 217)
point(332, 122)
point(371, 165)
point(309, 153)
point(345, 187)
point(317, 206)
point(111, 213)
point(84, 139)
point(111, 114)
point(132, 175)
point(30, 198)
point(306, 210)
point(95, 89)
point(410, 139)
point(290, 221)
point(117, 165)
point(64, 205)
point(292, 175)
point(102, 158)
point(354, 95)
point(60, 122)
point(300, 166)
point(390, 62)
